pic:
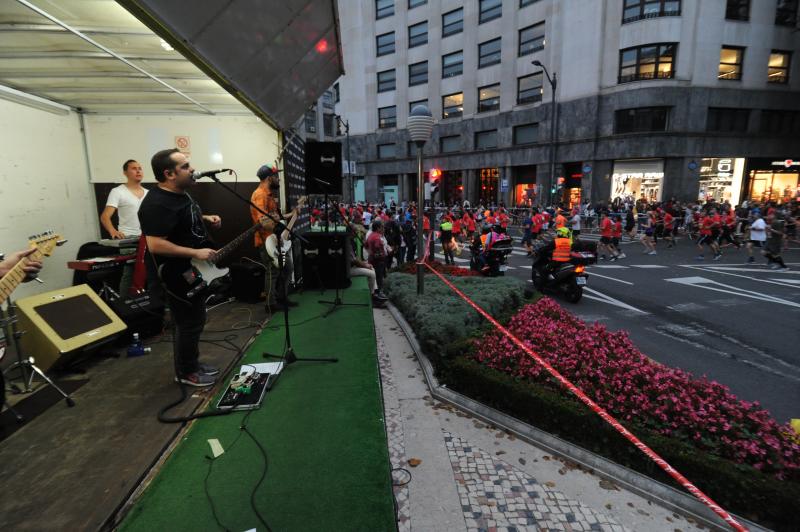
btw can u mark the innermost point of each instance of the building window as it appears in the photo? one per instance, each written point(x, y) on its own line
point(641, 120)
point(531, 39)
point(485, 140)
point(730, 62)
point(489, 10)
point(327, 124)
point(387, 116)
point(336, 94)
point(489, 98)
point(327, 99)
point(780, 122)
point(386, 151)
point(529, 88)
point(526, 134)
point(523, 3)
point(386, 80)
point(415, 103)
point(724, 120)
point(311, 120)
point(634, 10)
point(737, 10)
point(786, 13)
point(453, 105)
point(418, 73)
point(453, 22)
point(384, 8)
point(489, 53)
point(385, 43)
point(652, 61)
point(418, 34)
point(779, 66)
point(416, 3)
point(449, 144)
point(453, 64)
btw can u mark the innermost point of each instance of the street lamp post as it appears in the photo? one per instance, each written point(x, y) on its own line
point(420, 128)
point(350, 196)
point(553, 125)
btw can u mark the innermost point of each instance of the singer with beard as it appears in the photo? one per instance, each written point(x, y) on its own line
point(175, 230)
point(266, 197)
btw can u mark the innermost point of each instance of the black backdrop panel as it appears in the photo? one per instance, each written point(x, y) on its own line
point(325, 260)
point(323, 167)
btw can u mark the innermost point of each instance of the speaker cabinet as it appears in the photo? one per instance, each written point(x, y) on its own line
point(323, 167)
point(325, 260)
point(65, 321)
point(247, 281)
point(143, 314)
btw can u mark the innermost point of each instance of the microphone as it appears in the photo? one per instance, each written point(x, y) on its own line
point(209, 173)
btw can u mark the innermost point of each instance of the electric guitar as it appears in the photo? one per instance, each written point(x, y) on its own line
point(271, 243)
point(44, 244)
point(190, 277)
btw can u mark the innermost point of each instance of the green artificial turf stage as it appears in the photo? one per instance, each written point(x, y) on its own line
point(321, 425)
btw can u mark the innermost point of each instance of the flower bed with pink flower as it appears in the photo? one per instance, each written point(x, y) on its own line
point(614, 373)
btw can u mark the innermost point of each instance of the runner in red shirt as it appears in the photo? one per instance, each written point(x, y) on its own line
point(536, 226)
point(706, 236)
point(606, 234)
point(503, 219)
point(616, 236)
point(669, 229)
point(728, 231)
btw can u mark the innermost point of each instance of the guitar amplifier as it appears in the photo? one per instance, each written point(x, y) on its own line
point(143, 314)
point(247, 281)
point(325, 260)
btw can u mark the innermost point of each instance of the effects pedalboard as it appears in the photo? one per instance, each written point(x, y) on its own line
point(246, 390)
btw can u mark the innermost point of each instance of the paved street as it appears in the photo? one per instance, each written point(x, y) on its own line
point(734, 322)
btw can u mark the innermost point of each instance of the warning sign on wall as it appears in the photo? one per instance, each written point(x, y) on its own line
point(183, 144)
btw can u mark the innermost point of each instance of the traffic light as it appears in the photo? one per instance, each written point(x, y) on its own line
point(436, 180)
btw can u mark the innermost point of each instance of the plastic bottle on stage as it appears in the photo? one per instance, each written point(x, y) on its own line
point(137, 348)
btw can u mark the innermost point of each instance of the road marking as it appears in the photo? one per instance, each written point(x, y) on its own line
point(595, 274)
point(648, 266)
point(599, 296)
point(737, 269)
point(709, 270)
point(610, 266)
point(458, 259)
point(528, 267)
point(686, 307)
point(790, 281)
point(702, 282)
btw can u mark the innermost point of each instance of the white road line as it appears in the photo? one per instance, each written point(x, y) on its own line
point(790, 281)
point(648, 266)
point(708, 284)
point(709, 270)
point(598, 296)
point(737, 269)
point(609, 266)
point(595, 274)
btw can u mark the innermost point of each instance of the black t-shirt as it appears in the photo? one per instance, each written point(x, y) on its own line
point(175, 217)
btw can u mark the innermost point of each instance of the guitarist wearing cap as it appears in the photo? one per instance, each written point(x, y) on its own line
point(175, 230)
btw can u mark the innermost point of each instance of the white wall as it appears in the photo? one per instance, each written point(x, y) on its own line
point(43, 185)
point(243, 143)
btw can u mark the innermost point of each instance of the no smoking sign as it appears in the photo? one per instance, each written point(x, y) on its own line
point(183, 144)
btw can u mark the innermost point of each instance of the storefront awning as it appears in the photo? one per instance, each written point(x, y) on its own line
point(276, 57)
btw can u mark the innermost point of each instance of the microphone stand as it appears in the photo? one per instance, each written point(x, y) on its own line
point(288, 356)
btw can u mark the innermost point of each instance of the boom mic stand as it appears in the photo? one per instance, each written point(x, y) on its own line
point(288, 356)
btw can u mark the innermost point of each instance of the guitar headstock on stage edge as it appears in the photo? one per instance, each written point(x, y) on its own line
point(46, 242)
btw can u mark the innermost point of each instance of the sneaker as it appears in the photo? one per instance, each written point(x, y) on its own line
point(602, 257)
point(612, 259)
point(206, 369)
point(198, 380)
point(785, 269)
point(377, 294)
point(653, 253)
point(717, 257)
point(775, 267)
point(621, 256)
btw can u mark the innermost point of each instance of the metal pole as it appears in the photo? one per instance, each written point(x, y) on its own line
point(350, 191)
point(553, 118)
point(420, 214)
point(554, 84)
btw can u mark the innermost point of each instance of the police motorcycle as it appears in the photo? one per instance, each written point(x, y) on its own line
point(565, 277)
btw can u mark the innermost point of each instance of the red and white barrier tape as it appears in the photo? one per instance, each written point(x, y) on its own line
point(597, 409)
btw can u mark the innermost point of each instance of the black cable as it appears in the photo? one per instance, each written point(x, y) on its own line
point(260, 481)
point(407, 481)
point(208, 495)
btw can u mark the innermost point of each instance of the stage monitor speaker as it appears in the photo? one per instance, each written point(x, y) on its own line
point(143, 314)
point(247, 281)
point(325, 260)
point(66, 321)
point(323, 167)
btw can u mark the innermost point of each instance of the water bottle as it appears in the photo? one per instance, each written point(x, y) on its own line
point(137, 348)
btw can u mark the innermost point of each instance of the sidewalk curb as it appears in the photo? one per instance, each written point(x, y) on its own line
point(642, 485)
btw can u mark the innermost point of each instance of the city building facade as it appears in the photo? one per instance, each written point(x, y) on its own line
point(655, 98)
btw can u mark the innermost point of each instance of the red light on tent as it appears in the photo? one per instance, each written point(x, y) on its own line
point(321, 46)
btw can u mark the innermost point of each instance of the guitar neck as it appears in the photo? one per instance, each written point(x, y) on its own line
point(16, 275)
point(224, 251)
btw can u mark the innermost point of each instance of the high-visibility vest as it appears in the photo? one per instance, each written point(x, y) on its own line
point(563, 247)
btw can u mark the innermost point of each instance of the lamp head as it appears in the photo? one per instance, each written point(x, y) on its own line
point(420, 124)
point(536, 62)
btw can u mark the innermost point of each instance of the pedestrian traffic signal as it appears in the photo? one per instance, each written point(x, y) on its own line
point(436, 180)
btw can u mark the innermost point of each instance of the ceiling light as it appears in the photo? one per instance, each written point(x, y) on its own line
point(23, 98)
point(165, 45)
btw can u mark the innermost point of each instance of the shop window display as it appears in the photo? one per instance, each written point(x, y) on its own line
point(638, 179)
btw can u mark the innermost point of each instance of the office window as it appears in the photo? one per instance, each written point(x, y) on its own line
point(416, 3)
point(725, 120)
point(779, 66)
point(737, 10)
point(386, 151)
point(489, 10)
point(526, 134)
point(453, 64)
point(531, 39)
point(384, 44)
point(529, 88)
point(730, 62)
point(387, 116)
point(489, 98)
point(418, 34)
point(780, 122)
point(652, 61)
point(327, 99)
point(384, 8)
point(523, 3)
point(336, 94)
point(311, 120)
point(485, 140)
point(327, 124)
point(453, 22)
point(786, 13)
point(489, 53)
point(415, 103)
point(641, 120)
point(418, 73)
point(633, 10)
point(386, 80)
point(453, 105)
point(449, 144)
